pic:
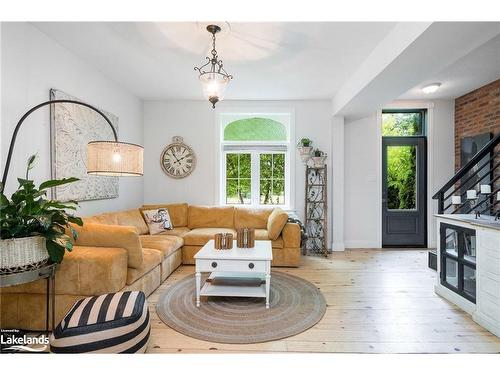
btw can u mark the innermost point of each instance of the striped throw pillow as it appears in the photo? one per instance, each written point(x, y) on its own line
point(110, 323)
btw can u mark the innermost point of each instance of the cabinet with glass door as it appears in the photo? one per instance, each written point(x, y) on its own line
point(458, 260)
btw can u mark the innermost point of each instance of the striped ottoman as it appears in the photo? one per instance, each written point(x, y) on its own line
point(111, 323)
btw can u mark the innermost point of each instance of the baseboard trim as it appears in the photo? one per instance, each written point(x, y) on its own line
point(338, 246)
point(361, 245)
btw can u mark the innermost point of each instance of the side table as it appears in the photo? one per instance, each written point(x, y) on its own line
point(47, 272)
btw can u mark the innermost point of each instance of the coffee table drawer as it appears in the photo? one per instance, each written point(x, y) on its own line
point(207, 265)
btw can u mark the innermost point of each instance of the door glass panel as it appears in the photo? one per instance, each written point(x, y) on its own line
point(451, 272)
point(401, 124)
point(451, 241)
point(470, 281)
point(401, 177)
point(469, 247)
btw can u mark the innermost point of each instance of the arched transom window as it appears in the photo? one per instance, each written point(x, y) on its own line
point(255, 159)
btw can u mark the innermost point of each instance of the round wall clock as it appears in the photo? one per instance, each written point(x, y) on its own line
point(178, 159)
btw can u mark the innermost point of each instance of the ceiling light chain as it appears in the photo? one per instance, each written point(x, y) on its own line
point(214, 80)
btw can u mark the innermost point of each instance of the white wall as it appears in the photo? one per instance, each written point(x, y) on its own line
point(442, 145)
point(362, 182)
point(362, 191)
point(196, 122)
point(32, 64)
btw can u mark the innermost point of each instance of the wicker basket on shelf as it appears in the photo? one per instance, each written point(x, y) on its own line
point(22, 254)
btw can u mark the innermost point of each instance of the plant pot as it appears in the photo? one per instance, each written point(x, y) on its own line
point(22, 254)
point(305, 152)
point(318, 161)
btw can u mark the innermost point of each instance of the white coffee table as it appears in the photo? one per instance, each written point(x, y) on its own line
point(233, 268)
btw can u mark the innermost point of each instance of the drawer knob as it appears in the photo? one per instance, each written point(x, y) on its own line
point(214, 264)
point(251, 265)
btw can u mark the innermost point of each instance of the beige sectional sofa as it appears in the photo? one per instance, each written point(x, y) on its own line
point(115, 252)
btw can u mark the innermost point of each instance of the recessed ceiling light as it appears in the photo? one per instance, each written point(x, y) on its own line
point(433, 87)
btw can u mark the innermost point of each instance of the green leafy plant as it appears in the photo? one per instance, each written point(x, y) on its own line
point(29, 213)
point(304, 142)
point(318, 153)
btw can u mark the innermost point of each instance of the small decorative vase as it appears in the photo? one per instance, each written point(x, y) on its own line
point(22, 254)
point(245, 238)
point(305, 152)
point(223, 241)
point(319, 161)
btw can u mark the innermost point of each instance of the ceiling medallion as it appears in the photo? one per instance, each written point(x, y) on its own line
point(213, 77)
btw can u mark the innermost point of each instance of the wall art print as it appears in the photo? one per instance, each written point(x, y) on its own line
point(72, 127)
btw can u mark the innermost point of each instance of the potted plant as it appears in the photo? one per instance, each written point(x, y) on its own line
point(305, 147)
point(318, 158)
point(33, 227)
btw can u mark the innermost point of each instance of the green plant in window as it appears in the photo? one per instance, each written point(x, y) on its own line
point(401, 177)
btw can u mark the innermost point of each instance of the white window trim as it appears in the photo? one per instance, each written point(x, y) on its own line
point(220, 159)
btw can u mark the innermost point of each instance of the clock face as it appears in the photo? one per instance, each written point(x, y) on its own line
point(178, 160)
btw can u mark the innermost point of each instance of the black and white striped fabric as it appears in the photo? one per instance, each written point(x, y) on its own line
point(111, 323)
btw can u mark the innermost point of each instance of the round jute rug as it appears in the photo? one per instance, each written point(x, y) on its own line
point(295, 306)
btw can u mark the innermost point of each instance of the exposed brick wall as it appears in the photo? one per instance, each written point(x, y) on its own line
point(476, 113)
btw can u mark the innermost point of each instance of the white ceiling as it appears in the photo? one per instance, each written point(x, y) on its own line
point(474, 70)
point(269, 61)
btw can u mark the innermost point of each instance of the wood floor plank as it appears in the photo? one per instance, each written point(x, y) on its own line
point(379, 301)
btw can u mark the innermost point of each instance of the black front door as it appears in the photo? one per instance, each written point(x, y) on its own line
point(404, 198)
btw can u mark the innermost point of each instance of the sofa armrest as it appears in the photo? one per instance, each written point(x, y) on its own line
point(101, 235)
point(291, 235)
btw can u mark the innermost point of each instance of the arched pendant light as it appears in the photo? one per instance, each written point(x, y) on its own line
point(214, 78)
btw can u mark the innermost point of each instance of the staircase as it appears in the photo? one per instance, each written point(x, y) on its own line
point(474, 189)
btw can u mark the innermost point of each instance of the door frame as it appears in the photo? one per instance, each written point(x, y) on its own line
point(429, 106)
point(410, 141)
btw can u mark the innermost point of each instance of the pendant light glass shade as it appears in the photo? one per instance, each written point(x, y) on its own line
point(214, 85)
point(108, 158)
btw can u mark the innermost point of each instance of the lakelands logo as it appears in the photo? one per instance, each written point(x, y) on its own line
point(12, 340)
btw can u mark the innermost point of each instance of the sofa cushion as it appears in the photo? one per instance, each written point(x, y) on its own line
point(262, 234)
point(276, 222)
point(251, 217)
point(200, 236)
point(178, 212)
point(100, 235)
point(132, 218)
point(106, 218)
point(179, 232)
point(166, 244)
point(210, 217)
point(152, 258)
point(86, 270)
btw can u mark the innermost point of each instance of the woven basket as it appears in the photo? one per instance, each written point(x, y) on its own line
point(21, 254)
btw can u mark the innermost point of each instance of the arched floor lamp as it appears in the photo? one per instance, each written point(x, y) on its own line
point(105, 158)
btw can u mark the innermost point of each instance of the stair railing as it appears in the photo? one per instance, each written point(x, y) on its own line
point(464, 180)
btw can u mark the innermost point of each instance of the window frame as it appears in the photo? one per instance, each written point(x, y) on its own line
point(255, 148)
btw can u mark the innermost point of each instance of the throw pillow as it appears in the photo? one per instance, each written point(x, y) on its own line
point(158, 220)
point(276, 222)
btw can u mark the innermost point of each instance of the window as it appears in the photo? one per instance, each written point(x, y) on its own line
point(255, 162)
point(403, 123)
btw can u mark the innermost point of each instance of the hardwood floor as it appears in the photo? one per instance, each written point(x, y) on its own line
point(379, 301)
